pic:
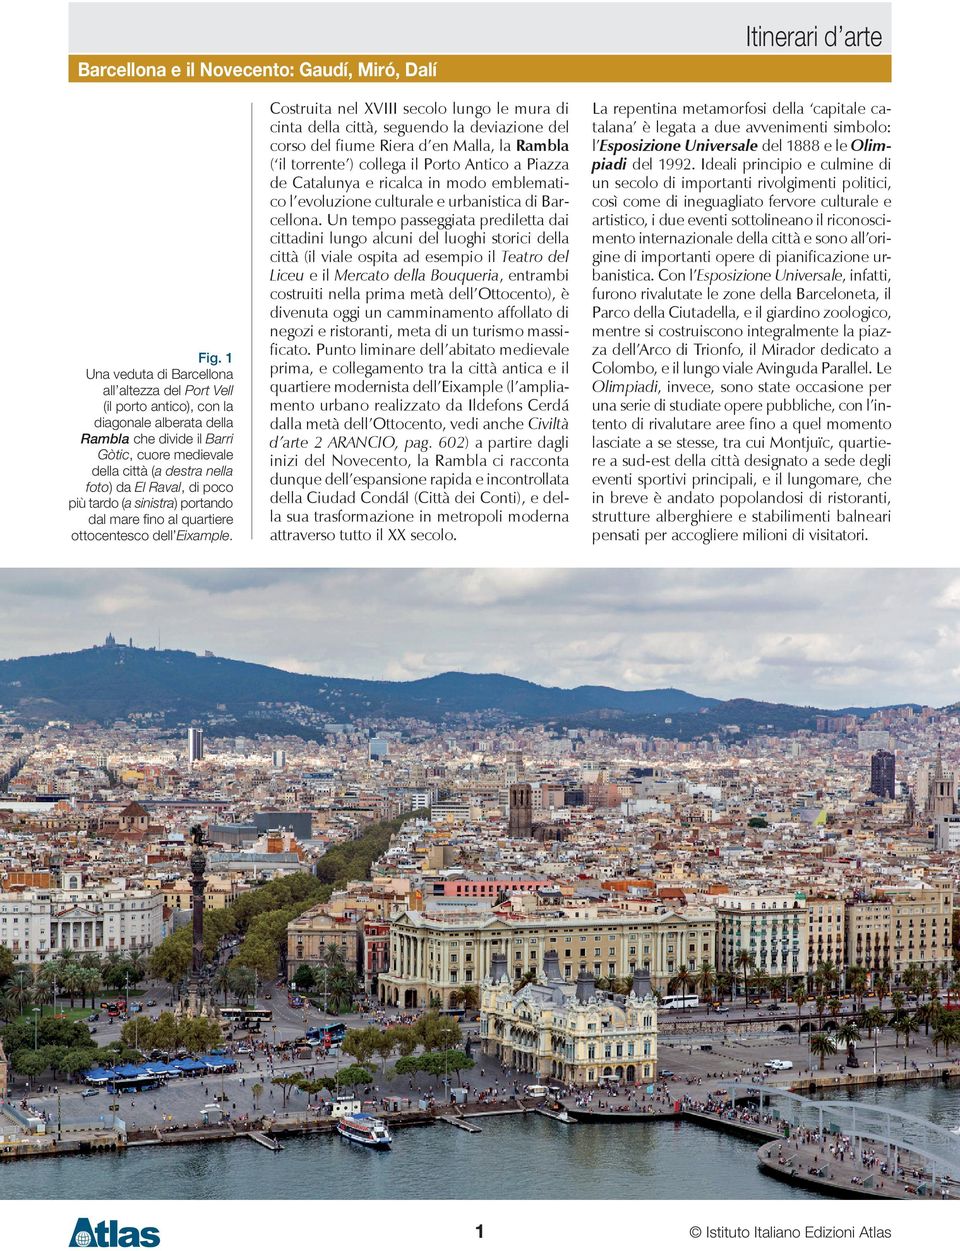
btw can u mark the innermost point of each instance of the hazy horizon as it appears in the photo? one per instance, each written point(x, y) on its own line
point(829, 638)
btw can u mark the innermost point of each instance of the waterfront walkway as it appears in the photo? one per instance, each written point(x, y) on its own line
point(835, 1166)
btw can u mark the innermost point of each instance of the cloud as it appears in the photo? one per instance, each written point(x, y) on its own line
point(808, 636)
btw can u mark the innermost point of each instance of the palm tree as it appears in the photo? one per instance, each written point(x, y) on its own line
point(91, 984)
point(744, 961)
point(799, 997)
point(471, 996)
point(724, 985)
point(113, 971)
point(220, 982)
point(903, 1023)
point(136, 966)
point(826, 975)
point(820, 1003)
point(873, 1020)
point(847, 1035)
point(682, 978)
point(20, 991)
point(927, 1014)
point(946, 1031)
point(243, 983)
point(71, 981)
point(705, 979)
point(822, 1045)
point(43, 991)
point(881, 988)
point(857, 983)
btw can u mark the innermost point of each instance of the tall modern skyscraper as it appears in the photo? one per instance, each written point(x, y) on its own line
point(883, 774)
point(194, 745)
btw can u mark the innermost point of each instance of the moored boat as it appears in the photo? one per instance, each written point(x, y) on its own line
point(368, 1131)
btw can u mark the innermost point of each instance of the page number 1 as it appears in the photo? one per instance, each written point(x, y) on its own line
point(479, 1229)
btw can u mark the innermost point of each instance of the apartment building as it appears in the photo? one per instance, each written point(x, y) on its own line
point(772, 928)
point(899, 926)
point(826, 932)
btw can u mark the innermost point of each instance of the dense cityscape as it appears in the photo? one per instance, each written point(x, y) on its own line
point(379, 911)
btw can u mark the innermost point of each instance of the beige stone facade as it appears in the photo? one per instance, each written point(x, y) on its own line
point(311, 933)
point(900, 926)
point(826, 932)
point(433, 955)
point(553, 1029)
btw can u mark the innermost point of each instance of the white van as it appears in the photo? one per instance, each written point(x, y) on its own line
point(536, 1092)
point(778, 1066)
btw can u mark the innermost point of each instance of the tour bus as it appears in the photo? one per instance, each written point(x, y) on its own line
point(248, 1019)
point(679, 1001)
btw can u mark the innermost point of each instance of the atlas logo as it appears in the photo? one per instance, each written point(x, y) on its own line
point(111, 1234)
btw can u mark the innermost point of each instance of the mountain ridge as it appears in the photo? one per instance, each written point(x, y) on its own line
point(110, 683)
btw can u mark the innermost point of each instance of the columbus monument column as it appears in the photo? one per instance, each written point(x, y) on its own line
point(198, 883)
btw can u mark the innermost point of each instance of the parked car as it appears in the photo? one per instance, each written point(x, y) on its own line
point(94, 1016)
point(89, 1091)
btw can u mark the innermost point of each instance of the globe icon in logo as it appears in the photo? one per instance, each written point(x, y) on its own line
point(83, 1239)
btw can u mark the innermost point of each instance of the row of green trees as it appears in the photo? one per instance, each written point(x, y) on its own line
point(431, 1031)
point(348, 1078)
point(824, 980)
point(72, 976)
point(940, 1024)
point(442, 1056)
point(169, 1033)
point(60, 1047)
point(259, 917)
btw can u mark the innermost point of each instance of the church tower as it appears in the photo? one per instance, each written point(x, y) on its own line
point(942, 790)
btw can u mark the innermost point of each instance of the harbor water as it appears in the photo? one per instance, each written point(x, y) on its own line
point(515, 1157)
